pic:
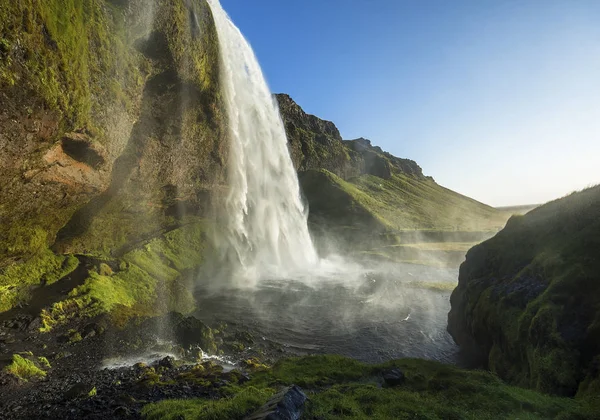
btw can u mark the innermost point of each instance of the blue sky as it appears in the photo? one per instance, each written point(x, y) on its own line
point(498, 100)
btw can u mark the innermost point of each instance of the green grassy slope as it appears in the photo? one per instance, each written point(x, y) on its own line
point(393, 205)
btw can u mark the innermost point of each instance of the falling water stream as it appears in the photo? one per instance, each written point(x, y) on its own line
point(283, 290)
point(267, 221)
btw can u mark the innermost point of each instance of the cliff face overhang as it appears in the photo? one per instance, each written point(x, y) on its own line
point(112, 130)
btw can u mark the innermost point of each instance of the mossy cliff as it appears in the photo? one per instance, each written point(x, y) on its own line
point(528, 300)
point(111, 131)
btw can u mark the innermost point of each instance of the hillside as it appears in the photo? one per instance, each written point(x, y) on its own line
point(371, 201)
point(528, 300)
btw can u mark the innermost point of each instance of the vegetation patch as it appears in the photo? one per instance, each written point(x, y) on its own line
point(149, 281)
point(237, 406)
point(44, 267)
point(339, 387)
point(24, 368)
point(528, 300)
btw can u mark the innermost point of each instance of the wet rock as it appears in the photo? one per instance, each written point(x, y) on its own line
point(244, 337)
point(191, 331)
point(91, 330)
point(167, 362)
point(122, 411)
point(394, 377)
point(285, 405)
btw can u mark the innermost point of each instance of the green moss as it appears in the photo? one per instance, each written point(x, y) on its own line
point(73, 50)
point(74, 336)
point(23, 368)
point(17, 277)
point(237, 407)
point(150, 281)
point(535, 286)
point(44, 362)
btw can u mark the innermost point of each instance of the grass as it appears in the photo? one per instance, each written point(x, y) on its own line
point(440, 246)
point(236, 407)
point(399, 203)
point(339, 387)
point(17, 277)
point(25, 369)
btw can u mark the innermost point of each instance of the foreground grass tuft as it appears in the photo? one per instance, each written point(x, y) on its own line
point(236, 407)
point(24, 369)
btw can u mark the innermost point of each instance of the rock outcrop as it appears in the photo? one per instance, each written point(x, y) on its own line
point(317, 144)
point(527, 305)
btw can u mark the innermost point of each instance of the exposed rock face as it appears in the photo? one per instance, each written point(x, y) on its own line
point(528, 300)
point(317, 144)
point(379, 163)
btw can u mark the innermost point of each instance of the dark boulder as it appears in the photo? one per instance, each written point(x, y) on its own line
point(191, 332)
point(285, 405)
point(394, 377)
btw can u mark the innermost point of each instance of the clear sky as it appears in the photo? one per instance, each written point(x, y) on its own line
point(496, 99)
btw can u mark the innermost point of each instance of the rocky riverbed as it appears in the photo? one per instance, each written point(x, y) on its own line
point(97, 371)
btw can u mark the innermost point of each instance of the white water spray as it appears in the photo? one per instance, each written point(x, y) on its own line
point(267, 228)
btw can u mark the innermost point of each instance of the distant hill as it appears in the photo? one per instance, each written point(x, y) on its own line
point(355, 186)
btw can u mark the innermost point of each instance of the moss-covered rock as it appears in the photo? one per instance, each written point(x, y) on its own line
point(528, 300)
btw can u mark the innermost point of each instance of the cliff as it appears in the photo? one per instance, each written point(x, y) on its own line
point(317, 144)
point(528, 300)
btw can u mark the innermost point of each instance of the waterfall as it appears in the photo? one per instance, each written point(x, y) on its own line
point(267, 231)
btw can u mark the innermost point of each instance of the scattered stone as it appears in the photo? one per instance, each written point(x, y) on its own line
point(90, 330)
point(79, 390)
point(285, 405)
point(394, 377)
point(244, 337)
point(35, 325)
